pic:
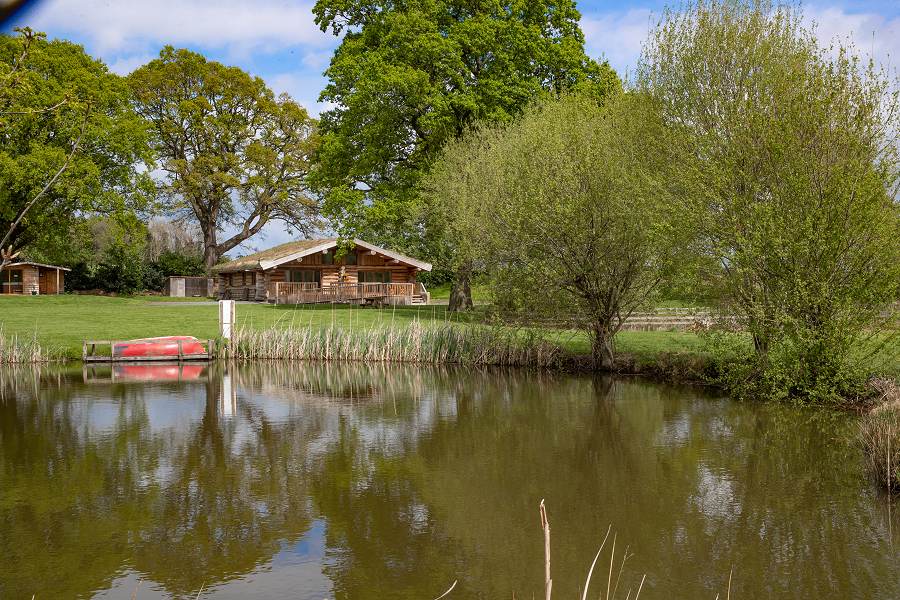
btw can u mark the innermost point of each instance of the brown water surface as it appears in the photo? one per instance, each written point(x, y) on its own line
point(354, 482)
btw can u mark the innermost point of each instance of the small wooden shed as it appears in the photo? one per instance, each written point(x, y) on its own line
point(32, 279)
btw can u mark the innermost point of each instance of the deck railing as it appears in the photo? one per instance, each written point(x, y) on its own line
point(12, 288)
point(311, 293)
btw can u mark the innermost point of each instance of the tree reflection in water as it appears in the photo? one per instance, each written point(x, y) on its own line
point(357, 481)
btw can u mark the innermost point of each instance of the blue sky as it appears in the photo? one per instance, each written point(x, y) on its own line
point(278, 40)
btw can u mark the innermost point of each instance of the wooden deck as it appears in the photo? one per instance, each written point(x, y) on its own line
point(89, 353)
point(311, 293)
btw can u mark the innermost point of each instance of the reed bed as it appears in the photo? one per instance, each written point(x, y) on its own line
point(15, 350)
point(879, 432)
point(439, 343)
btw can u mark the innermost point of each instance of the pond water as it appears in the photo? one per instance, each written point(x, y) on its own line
point(356, 482)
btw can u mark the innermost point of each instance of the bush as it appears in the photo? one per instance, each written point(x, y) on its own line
point(82, 277)
point(172, 263)
point(785, 372)
point(122, 270)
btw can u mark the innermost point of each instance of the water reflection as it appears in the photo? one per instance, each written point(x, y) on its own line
point(355, 481)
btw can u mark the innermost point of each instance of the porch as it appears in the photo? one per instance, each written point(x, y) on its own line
point(283, 292)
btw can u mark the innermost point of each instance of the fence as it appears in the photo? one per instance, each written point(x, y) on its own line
point(311, 293)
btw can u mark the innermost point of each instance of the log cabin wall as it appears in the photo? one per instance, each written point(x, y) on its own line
point(30, 280)
point(330, 274)
point(260, 285)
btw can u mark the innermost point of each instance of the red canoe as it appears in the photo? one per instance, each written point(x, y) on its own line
point(158, 347)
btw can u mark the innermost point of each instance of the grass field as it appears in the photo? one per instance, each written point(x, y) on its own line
point(64, 321)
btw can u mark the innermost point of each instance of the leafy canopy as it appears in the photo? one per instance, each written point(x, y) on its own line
point(234, 156)
point(799, 161)
point(409, 76)
point(573, 211)
point(51, 93)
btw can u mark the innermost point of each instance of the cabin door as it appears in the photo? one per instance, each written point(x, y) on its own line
point(45, 285)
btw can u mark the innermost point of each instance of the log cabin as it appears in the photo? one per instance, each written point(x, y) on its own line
point(32, 279)
point(317, 271)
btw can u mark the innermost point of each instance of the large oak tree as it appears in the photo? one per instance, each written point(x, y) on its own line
point(235, 157)
point(409, 76)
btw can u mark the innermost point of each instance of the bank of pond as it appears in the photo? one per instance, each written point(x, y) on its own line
point(373, 480)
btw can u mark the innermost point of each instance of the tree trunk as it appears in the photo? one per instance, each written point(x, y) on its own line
point(461, 290)
point(210, 250)
point(603, 347)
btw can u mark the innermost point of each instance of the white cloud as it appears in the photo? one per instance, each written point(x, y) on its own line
point(123, 65)
point(873, 34)
point(304, 88)
point(123, 25)
point(318, 59)
point(617, 36)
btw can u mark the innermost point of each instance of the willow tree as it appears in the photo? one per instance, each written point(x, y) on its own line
point(799, 162)
point(235, 157)
point(572, 211)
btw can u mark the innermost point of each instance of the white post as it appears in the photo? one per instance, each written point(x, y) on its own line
point(226, 318)
point(229, 397)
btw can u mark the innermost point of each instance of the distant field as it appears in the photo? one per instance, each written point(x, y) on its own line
point(442, 292)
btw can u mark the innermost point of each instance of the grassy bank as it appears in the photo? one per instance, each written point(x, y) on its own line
point(64, 321)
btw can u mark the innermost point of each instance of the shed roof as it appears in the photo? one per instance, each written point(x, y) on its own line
point(271, 258)
point(28, 263)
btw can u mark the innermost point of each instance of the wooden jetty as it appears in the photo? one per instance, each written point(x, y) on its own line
point(89, 353)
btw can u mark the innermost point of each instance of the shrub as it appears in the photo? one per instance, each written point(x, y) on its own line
point(122, 270)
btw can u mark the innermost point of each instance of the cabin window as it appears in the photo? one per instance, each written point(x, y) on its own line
point(250, 278)
point(304, 276)
point(12, 276)
point(328, 258)
point(350, 258)
point(11, 280)
point(374, 276)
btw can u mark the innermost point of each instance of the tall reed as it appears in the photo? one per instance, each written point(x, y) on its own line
point(443, 343)
point(879, 433)
point(15, 350)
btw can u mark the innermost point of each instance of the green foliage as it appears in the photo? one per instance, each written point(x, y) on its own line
point(58, 90)
point(122, 270)
point(798, 184)
point(408, 78)
point(233, 154)
point(171, 263)
point(572, 210)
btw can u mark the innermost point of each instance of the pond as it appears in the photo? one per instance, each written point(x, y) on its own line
point(349, 481)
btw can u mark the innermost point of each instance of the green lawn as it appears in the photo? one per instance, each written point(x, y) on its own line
point(64, 321)
point(442, 292)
